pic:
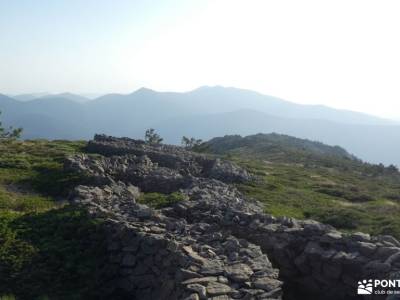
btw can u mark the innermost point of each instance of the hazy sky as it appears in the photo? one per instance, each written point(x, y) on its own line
point(344, 54)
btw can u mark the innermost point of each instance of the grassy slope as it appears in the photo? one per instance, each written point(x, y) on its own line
point(47, 249)
point(325, 195)
point(325, 184)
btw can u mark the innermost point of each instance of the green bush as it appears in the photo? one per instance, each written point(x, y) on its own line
point(339, 217)
point(59, 253)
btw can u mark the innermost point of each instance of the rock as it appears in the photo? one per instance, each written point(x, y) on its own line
point(391, 241)
point(212, 268)
point(332, 270)
point(193, 255)
point(385, 252)
point(376, 267)
point(274, 294)
point(200, 280)
point(193, 296)
point(223, 279)
point(238, 272)
point(393, 258)
point(232, 245)
point(222, 297)
point(331, 236)
point(314, 227)
point(366, 249)
point(185, 274)
point(128, 260)
point(266, 283)
point(360, 237)
point(228, 172)
point(199, 289)
point(260, 263)
point(313, 249)
point(216, 289)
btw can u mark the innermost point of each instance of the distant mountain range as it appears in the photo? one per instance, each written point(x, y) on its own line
point(69, 96)
point(203, 113)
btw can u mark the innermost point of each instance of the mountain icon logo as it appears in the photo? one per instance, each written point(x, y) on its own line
point(365, 287)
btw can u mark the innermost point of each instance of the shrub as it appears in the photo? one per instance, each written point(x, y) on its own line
point(58, 253)
point(152, 138)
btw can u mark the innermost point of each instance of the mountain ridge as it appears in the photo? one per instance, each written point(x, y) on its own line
point(204, 113)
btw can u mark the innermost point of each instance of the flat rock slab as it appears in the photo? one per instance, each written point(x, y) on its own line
point(201, 280)
point(216, 289)
point(238, 272)
point(267, 284)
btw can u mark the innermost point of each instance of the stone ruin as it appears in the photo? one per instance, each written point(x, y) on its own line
point(215, 243)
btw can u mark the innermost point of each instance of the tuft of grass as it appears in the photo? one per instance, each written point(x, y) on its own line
point(157, 200)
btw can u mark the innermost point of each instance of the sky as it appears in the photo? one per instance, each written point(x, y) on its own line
point(343, 54)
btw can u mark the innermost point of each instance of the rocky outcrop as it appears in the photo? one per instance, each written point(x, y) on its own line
point(172, 157)
point(215, 244)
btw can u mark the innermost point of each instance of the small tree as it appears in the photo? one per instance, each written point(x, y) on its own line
point(10, 133)
point(392, 169)
point(152, 138)
point(190, 143)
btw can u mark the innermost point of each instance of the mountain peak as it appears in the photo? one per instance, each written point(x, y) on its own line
point(68, 96)
point(144, 90)
point(210, 88)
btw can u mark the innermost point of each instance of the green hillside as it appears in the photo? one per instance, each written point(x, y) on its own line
point(47, 249)
point(305, 179)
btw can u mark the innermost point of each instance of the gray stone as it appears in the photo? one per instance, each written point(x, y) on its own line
point(332, 270)
point(238, 272)
point(185, 274)
point(193, 296)
point(128, 260)
point(200, 280)
point(360, 237)
point(376, 267)
point(223, 279)
point(366, 249)
point(266, 283)
point(385, 252)
point(199, 289)
point(221, 297)
point(274, 294)
point(216, 289)
point(388, 239)
point(212, 269)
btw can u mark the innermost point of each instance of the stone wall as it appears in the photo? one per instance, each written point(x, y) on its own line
point(152, 256)
point(216, 244)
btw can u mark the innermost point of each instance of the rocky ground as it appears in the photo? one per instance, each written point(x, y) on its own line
point(215, 243)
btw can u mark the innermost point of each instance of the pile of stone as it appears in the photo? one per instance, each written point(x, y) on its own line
point(215, 244)
point(158, 257)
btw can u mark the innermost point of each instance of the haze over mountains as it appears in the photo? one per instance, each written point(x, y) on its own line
point(33, 96)
point(203, 113)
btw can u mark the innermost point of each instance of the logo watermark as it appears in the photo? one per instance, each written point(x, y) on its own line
point(365, 287)
point(378, 287)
